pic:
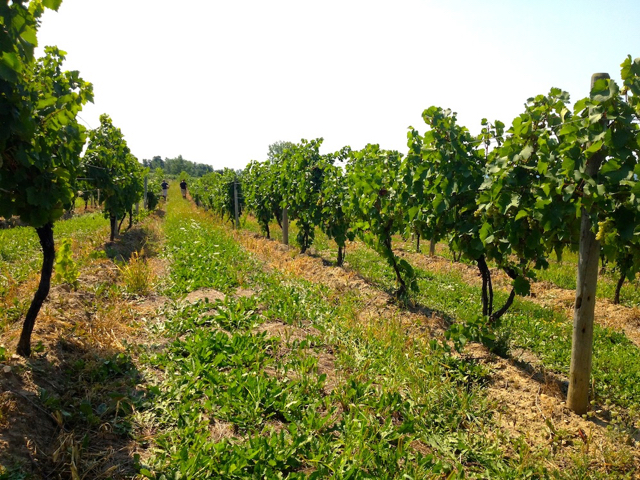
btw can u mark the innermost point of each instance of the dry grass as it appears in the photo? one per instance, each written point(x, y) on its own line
point(137, 275)
point(8, 406)
point(76, 331)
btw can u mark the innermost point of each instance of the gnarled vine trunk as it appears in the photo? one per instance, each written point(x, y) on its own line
point(402, 289)
point(487, 291)
point(113, 222)
point(495, 316)
point(45, 235)
point(487, 287)
point(121, 222)
point(340, 261)
point(616, 298)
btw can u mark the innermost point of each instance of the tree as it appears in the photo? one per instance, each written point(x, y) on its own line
point(258, 194)
point(276, 149)
point(40, 139)
point(443, 172)
point(301, 178)
point(216, 191)
point(624, 251)
point(334, 202)
point(155, 162)
point(524, 203)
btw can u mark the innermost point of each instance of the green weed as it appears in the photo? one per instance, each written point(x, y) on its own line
point(66, 269)
point(137, 275)
point(236, 403)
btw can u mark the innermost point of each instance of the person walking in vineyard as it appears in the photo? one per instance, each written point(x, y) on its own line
point(165, 189)
point(183, 188)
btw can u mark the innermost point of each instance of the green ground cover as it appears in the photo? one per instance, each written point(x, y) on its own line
point(20, 252)
point(547, 333)
point(234, 402)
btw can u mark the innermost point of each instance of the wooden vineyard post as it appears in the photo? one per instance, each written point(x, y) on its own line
point(146, 189)
point(584, 308)
point(235, 203)
point(285, 226)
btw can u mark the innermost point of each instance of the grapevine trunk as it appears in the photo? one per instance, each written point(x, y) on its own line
point(45, 235)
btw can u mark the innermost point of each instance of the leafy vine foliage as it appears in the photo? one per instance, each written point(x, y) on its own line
point(512, 197)
point(335, 198)
point(523, 204)
point(261, 194)
point(311, 185)
point(508, 197)
point(217, 190)
point(301, 179)
point(114, 170)
point(40, 138)
point(609, 126)
point(373, 175)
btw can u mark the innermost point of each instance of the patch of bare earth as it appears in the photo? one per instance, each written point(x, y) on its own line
point(203, 294)
point(77, 333)
point(290, 334)
point(530, 402)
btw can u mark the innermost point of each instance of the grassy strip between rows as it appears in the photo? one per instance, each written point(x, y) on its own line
point(67, 411)
point(235, 402)
point(545, 332)
point(20, 252)
point(563, 275)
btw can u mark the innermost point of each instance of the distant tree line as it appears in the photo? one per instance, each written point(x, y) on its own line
point(176, 166)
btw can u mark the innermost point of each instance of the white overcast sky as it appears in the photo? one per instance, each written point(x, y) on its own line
point(218, 81)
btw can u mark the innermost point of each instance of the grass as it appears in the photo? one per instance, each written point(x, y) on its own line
point(528, 326)
point(236, 402)
point(137, 275)
point(285, 378)
point(563, 275)
point(21, 259)
point(20, 252)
